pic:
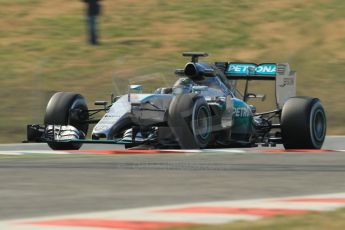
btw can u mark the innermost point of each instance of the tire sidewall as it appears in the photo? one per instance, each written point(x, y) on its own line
point(199, 106)
point(298, 124)
point(58, 113)
point(182, 109)
point(316, 110)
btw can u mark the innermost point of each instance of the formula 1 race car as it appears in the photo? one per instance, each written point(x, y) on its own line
point(203, 109)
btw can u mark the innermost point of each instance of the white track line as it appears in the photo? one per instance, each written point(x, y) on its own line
point(48, 152)
point(207, 151)
point(193, 213)
point(9, 153)
point(188, 152)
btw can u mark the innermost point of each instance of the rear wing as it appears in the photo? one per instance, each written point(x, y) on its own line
point(284, 77)
point(251, 71)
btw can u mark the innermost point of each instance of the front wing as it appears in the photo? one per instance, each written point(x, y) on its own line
point(63, 134)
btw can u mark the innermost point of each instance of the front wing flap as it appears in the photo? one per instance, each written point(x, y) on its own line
point(59, 133)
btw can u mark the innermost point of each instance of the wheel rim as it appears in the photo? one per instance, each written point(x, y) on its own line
point(202, 123)
point(319, 126)
point(79, 103)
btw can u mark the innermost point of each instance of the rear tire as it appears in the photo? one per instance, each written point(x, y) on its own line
point(190, 120)
point(58, 113)
point(303, 123)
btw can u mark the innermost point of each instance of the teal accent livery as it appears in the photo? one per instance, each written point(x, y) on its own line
point(242, 117)
point(251, 69)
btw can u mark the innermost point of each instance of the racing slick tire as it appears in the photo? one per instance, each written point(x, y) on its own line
point(303, 123)
point(58, 113)
point(190, 121)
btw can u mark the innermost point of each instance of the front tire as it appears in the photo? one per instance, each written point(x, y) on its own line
point(303, 123)
point(190, 120)
point(58, 113)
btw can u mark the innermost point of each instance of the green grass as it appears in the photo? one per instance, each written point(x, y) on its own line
point(317, 221)
point(43, 48)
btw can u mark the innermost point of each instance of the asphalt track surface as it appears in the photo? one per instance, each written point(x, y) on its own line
point(41, 185)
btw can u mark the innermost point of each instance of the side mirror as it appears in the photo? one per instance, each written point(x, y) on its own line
point(262, 97)
point(136, 88)
point(198, 88)
point(179, 72)
point(101, 103)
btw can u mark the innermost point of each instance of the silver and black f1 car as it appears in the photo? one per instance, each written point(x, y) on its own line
point(203, 109)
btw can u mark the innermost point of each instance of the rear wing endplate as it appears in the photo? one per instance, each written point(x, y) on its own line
point(284, 77)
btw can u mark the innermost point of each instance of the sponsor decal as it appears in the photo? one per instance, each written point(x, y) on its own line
point(248, 69)
point(241, 112)
point(288, 81)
